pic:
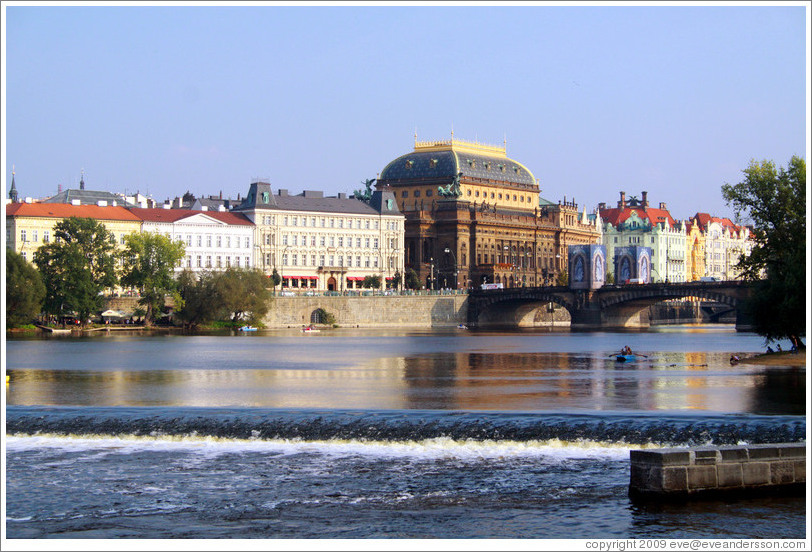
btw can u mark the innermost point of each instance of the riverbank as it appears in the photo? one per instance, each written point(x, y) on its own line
point(777, 359)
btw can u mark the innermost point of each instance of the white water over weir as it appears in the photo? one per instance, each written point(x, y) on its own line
point(704, 472)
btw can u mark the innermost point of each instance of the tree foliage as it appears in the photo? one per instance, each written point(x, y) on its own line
point(396, 279)
point(412, 280)
point(25, 291)
point(198, 294)
point(242, 294)
point(275, 279)
point(77, 267)
point(372, 281)
point(149, 261)
point(773, 201)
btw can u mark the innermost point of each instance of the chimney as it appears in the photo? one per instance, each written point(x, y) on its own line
point(662, 206)
point(221, 194)
point(601, 206)
point(622, 202)
point(645, 201)
point(283, 192)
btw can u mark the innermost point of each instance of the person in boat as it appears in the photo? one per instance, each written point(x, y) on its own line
point(734, 359)
point(626, 350)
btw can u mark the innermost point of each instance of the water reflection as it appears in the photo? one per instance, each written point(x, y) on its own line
point(498, 381)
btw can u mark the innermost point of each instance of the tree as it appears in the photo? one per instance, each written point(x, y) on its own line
point(25, 291)
point(275, 279)
point(149, 261)
point(77, 267)
point(396, 279)
point(198, 293)
point(773, 201)
point(241, 294)
point(373, 282)
point(412, 281)
point(562, 279)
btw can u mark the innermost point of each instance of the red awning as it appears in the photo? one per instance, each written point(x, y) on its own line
point(355, 278)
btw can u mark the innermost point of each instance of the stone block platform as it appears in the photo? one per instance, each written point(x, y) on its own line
point(723, 471)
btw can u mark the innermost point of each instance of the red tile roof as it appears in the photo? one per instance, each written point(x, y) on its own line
point(619, 215)
point(65, 210)
point(174, 215)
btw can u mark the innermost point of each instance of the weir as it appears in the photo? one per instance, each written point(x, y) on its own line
point(723, 471)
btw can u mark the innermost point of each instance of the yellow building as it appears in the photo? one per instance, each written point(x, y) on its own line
point(29, 226)
point(694, 251)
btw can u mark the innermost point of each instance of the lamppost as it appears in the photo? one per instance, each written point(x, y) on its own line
point(431, 276)
point(511, 257)
point(448, 250)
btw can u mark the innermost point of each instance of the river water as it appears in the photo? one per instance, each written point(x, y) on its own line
point(352, 433)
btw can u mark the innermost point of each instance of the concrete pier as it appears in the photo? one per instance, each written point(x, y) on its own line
point(723, 471)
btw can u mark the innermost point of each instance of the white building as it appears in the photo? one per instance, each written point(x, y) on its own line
point(214, 240)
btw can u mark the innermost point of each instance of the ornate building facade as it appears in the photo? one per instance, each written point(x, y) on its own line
point(324, 243)
point(474, 216)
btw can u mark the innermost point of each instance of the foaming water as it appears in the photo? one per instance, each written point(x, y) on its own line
point(364, 434)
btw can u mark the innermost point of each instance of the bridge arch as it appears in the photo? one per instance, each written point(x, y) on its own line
point(516, 307)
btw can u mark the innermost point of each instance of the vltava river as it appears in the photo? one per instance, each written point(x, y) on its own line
point(354, 433)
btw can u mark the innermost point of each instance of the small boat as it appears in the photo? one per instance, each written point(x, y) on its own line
point(248, 329)
point(462, 327)
point(625, 358)
point(310, 329)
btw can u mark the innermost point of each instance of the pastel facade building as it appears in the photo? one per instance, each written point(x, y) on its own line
point(325, 243)
point(29, 226)
point(635, 223)
point(725, 243)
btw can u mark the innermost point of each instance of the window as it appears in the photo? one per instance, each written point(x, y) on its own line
point(284, 239)
point(199, 261)
point(23, 236)
point(322, 241)
point(247, 242)
point(341, 241)
point(332, 260)
point(404, 193)
point(208, 241)
point(295, 259)
point(247, 262)
point(332, 223)
point(341, 223)
point(332, 241)
point(267, 259)
point(46, 237)
point(219, 261)
point(228, 242)
point(313, 240)
point(366, 242)
point(357, 242)
point(366, 262)
point(208, 261)
point(358, 261)
point(375, 243)
point(285, 259)
point(321, 260)
point(341, 260)
point(285, 221)
point(35, 237)
point(313, 260)
point(295, 221)
point(189, 240)
point(189, 261)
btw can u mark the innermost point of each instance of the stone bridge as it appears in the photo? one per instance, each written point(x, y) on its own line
point(611, 306)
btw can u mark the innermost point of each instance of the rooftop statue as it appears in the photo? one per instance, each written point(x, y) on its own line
point(453, 189)
point(367, 194)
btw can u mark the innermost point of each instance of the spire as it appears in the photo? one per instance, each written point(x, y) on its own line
point(82, 181)
point(12, 194)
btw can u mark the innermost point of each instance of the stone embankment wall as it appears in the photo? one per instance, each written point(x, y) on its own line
point(713, 471)
point(420, 311)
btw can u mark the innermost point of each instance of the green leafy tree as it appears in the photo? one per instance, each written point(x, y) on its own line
point(412, 280)
point(396, 280)
point(275, 279)
point(773, 201)
point(242, 294)
point(198, 292)
point(563, 279)
point(25, 291)
point(610, 278)
point(373, 282)
point(149, 261)
point(77, 267)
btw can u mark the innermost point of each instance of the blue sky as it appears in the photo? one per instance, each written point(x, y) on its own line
point(673, 100)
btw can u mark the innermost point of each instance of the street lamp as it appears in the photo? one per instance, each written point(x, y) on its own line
point(431, 276)
point(447, 250)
